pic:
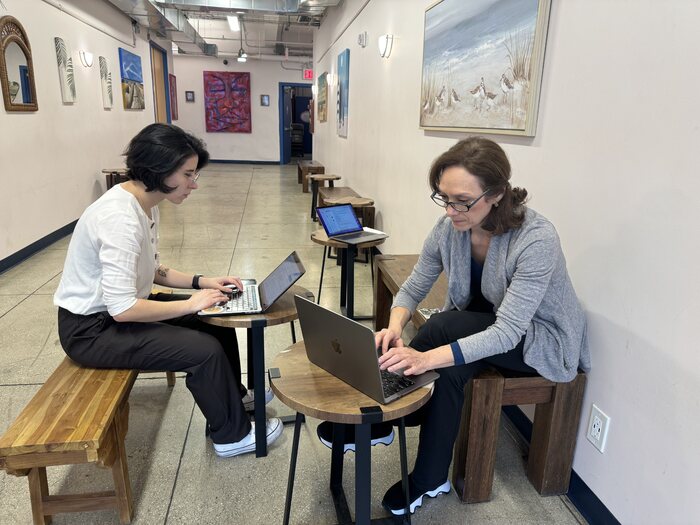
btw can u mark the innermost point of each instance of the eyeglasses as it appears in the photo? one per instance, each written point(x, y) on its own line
point(462, 207)
point(193, 177)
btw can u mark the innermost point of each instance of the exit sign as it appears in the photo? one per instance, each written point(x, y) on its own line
point(308, 74)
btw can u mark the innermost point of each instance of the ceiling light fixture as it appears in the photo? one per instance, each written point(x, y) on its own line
point(234, 23)
point(242, 55)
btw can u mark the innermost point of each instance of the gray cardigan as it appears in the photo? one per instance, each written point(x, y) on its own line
point(525, 278)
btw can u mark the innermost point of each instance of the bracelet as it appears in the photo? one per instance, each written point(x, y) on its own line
point(195, 281)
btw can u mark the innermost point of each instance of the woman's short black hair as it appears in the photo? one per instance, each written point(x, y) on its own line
point(158, 151)
point(487, 161)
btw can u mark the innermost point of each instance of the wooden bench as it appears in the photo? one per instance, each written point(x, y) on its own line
point(304, 168)
point(115, 176)
point(363, 206)
point(557, 412)
point(79, 415)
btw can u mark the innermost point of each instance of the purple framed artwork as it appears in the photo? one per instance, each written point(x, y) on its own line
point(227, 102)
point(173, 97)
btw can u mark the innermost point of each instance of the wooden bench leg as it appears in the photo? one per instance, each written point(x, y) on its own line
point(170, 376)
point(305, 182)
point(38, 492)
point(475, 448)
point(120, 470)
point(554, 438)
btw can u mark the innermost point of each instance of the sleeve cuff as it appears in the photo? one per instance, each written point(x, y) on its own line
point(457, 353)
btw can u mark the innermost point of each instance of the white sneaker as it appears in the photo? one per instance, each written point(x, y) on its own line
point(247, 444)
point(249, 399)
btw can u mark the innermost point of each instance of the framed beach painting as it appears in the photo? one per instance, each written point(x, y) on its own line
point(343, 98)
point(133, 93)
point(482, 65)
point(322, 103)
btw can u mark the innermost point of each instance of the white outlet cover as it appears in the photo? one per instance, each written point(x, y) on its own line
point(598, 425)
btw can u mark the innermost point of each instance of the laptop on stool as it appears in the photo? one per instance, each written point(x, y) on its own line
point(341, 224)
point(346, 349)
point(256, 298)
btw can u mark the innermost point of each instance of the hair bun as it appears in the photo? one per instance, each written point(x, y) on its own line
point(519, 196)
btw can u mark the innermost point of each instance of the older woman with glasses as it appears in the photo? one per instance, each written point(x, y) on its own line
point(107, 315)
point(510, 302)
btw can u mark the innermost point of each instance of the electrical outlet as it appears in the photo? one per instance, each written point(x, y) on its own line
point(598, 426)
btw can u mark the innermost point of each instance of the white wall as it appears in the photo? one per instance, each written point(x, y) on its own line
point(613, 167)
point(50, 160)
point(262, 144)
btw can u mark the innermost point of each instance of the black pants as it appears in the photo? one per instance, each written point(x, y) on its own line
point(440, 417)
point(207, 353)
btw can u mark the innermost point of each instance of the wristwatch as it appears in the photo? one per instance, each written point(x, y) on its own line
point(195, 281)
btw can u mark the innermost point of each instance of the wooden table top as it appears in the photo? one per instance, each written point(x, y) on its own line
point(320, 237)
point(308, 389)
point(323, 176)
point(283, 311)
point(115, 170)
point(310, 163)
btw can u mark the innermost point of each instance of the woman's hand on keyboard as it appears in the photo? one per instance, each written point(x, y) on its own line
point(206, 298)
point(219, 283)
point(404, 359)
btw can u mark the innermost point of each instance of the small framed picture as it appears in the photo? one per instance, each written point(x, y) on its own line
point(264, 100)
point(189, 96)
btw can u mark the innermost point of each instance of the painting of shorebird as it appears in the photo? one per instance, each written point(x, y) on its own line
point(482, 65)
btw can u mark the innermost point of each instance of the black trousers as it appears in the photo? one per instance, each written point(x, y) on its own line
point(440, 417)
point(207, 353)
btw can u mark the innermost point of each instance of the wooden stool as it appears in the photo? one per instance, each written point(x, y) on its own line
point(553, 432)
point(115, 176)
point(304, 168)
point(320, 178)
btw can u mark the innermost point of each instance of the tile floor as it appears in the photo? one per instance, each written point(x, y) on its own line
point(243, 220)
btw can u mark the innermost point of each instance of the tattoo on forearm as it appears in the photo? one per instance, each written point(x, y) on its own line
point(163, 271)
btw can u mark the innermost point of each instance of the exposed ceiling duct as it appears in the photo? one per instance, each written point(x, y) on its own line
point(167, 23)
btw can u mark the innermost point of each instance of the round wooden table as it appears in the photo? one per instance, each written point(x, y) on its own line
point(282, 311)
point(316, 179)
point(312, 391)
point(346, 252)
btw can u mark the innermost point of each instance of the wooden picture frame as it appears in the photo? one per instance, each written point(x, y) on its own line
point(482, 66)
point(189, 96)
point(264, 100)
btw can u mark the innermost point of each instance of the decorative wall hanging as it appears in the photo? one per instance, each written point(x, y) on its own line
point(264, 100)
point(322, 103)
point(227, 101)
point(343, 92)
point(16, 67)
point(66, 77)
point(132, 80)
point(173, 96)
point(106, 83)
point(482, 65)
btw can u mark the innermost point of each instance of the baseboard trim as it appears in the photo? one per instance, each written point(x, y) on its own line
point(224, 161)
point(580, 495)
point(27, 252)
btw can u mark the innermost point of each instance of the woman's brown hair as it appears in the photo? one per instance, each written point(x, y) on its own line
point(487, 161)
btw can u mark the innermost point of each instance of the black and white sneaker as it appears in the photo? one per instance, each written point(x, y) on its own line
point(395, 502)
point(273, 430)
point(381, 433)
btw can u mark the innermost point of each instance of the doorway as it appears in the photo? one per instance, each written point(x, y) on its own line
point(159, 73)
point(294, 118)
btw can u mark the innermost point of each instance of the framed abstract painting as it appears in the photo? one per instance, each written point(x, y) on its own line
point(482, 65)
point(132, 80)
point(322, 103)
point(343, 93)
point(227, 102)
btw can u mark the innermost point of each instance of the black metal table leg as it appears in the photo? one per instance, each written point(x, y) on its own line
point(292, 467)
point(256, 346)
point(363, 474)
point(342, 257)
point(314, 197)
point(336, 483)
point(404, 468)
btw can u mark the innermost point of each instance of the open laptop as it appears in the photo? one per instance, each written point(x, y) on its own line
point(341, 224)
point(256, 298)
point(346, 349)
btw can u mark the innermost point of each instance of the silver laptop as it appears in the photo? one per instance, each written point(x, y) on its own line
point(346, 349)
point(341, 224)
point(256, 298)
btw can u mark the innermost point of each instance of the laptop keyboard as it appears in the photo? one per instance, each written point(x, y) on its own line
point(245, 301)
point(393, 383)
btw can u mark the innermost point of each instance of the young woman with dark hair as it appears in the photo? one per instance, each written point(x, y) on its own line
point(107, 315)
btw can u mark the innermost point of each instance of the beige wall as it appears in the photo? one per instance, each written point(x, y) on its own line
point(612, 165)
point(262, 144)
point(50, 160)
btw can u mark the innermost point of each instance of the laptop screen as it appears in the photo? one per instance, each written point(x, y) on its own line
point(280, 280)
point(337, 220)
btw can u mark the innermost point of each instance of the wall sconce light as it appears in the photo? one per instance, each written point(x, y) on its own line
point(330, 79)
point(385, 44)
point(86, 58)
